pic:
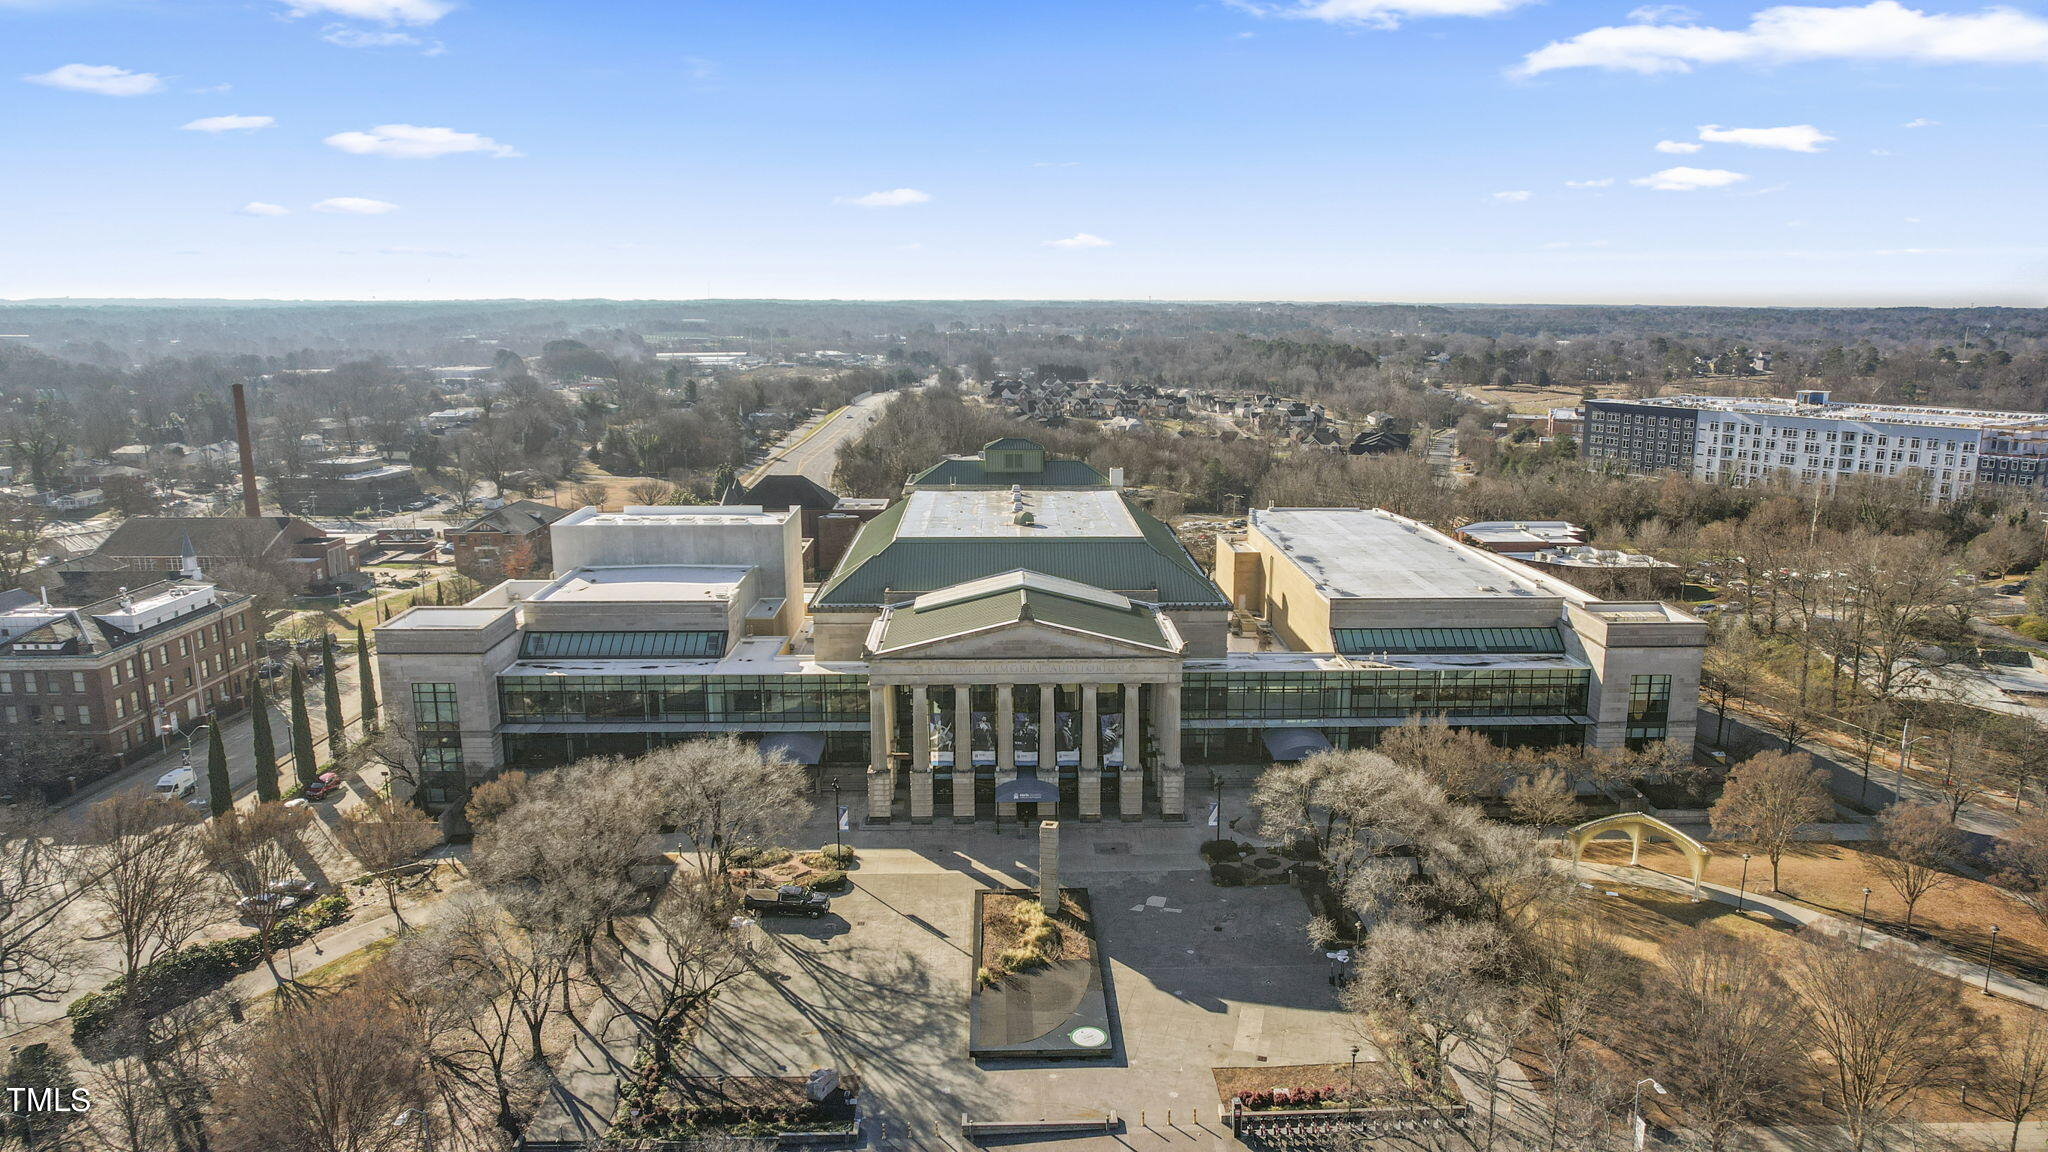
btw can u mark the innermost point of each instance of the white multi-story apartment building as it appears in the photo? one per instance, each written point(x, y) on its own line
point(1740, 440)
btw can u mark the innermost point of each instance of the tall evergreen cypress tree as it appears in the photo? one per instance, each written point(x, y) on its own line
point(266, 746)
point(330, 690)
point(366, 684)
point(220, 792)
point(304, 765)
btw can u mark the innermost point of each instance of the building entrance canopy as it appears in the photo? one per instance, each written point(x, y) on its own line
point(1027, 788)
point(1291, 744)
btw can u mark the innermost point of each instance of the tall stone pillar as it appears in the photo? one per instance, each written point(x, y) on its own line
point(1006, 743)
point(1048, 737)
point(1172, 777)
point(1089, 779)
point(1131, 781)
point(881, 769)
point(1049, 866)
point(963, 754)
point(921, 755)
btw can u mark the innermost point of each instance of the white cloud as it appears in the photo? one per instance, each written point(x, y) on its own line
point(260, 208)
point(355, 206)
point(1881, 30)
point(1376, 13)
point(347, 37)
point(1080, 240)
point(1602, 182)
point(100, 79)
point(415, 142)
point(1513, 197)
point(1679, 147)
point(229, 123)
point(893, 198)
point(382, 11)
point(1791, 138)
point(1663, 14)
point(1684, 179)
point(1921, 122)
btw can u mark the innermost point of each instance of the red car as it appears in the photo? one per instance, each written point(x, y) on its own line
point(327, 785)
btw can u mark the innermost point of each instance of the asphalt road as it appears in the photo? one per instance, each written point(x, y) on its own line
point(813, 450)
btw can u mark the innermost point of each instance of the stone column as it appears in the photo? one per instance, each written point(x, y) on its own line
point(963, 754)
point(1089, 778)
point(1006, 743)
point(1049, 866)
point(921, 755)
point(1172, 777)
point(1131, 781)
point(881, 770)
point(1048, 739)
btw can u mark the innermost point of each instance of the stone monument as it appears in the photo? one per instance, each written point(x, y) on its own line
point(1049, 866)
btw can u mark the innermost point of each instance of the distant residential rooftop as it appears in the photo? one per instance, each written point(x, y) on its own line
point(651, 583)
point(1372, 554)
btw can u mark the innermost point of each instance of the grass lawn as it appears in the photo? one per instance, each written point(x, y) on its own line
point(1831, 878)
point(1645, 923)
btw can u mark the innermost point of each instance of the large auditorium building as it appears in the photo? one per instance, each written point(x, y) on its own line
point(1016, 630)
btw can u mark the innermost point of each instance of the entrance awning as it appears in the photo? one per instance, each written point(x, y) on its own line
point(1289, 744)
point(1027, 788)
point(804, 748)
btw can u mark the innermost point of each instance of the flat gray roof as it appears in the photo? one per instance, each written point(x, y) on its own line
point(1372, 554)
point(984, 512)
point(444, 618)
point(651, 583)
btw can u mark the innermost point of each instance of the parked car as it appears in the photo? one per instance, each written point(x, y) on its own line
point(177, 784)
point(265, 906)
point(788, 900)
point(327, 785)
point(297, 888)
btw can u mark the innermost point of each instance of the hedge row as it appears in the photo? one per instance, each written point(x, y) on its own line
point(197, 969)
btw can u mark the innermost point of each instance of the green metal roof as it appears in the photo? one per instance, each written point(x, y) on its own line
point(881, 566)
point(970, 472)
point(911, 625)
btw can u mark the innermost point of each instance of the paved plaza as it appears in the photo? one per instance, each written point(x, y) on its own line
point(1199, 976)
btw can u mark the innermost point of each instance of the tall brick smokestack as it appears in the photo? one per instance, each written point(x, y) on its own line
point(250, 508)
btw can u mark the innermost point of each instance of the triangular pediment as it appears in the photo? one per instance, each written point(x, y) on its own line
point(1024, 640)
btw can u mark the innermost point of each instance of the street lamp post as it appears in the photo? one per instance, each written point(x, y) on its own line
point(1216, 788)
point(1988, 954)
point(1641, 1128)
point(835, 812)
point(419, 1115)
point(1861, 917)
point(1742, 891)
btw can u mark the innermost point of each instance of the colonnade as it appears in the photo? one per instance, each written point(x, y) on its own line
point(1157, 700)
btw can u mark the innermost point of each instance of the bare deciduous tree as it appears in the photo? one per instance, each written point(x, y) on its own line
point(1460, 761)
point(139, 862)
point(384, 835)
point(1919, 851)
point(2014, 1084)
point(1768, 799)
point(330, 1075)
point(1732, 1028)
point(1888, 1027)
point(36, 955)
point(723, 794)
point(494, 797)
point(1544, 798)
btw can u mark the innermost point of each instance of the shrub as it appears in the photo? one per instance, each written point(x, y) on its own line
point(1226, 875)
point(987, 977)
point(831, 880)
point(835, 855)
point(1221, 851)
point(759, 857)
point(1019, 959)
point(2033, 628)
point(197, 969)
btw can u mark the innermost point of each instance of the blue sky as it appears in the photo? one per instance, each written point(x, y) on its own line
point(1883, 152)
